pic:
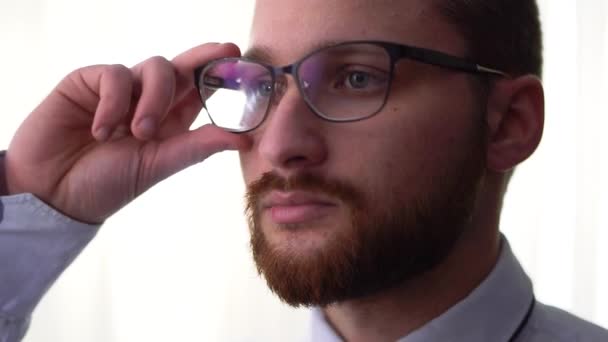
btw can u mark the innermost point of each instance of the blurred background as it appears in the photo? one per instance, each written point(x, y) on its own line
point(175, 264)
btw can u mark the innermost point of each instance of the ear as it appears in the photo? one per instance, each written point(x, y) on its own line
point(515, 119)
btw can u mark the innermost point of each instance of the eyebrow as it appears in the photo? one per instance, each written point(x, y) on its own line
point(263, 53)
point(260, 53)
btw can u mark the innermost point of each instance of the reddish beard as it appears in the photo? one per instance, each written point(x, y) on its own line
point(382, 246)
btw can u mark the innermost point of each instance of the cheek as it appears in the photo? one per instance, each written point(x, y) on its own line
point(368, 158)
point(404, 154)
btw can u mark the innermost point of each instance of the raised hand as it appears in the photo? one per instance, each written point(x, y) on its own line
point(107, 133)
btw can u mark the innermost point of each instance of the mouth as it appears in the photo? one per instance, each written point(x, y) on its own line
point(296, 207)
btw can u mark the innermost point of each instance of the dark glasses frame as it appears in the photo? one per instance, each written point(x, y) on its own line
point(395, 52)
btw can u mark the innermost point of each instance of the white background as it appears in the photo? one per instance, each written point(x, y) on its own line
point(175, 264)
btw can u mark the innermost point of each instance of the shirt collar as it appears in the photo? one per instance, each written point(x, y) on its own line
point(321, 330)
point(491, 312)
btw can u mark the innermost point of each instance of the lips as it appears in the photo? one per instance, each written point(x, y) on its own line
point(296, 207)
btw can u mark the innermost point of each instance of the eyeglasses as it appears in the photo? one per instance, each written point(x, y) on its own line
point(345, 82)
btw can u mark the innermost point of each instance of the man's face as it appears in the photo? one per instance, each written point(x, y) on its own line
point(343, 210)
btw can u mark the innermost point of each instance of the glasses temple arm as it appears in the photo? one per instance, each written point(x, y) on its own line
point(448, 61)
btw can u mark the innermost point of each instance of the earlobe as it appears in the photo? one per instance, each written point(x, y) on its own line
point(515, 120)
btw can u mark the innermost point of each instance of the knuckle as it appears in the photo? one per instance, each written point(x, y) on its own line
point(158, 70)
point(76, 75)
point(161, 74)
point(118, 72)
point(158, 62)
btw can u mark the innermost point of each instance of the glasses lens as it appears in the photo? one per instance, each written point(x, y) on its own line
point(346, 82)
point(237, 93)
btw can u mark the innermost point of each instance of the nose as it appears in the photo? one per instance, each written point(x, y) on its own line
point(292, 138)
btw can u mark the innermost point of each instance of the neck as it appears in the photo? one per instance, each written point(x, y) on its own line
point(394, 313)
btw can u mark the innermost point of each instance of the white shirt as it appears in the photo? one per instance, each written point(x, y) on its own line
point(492, 312)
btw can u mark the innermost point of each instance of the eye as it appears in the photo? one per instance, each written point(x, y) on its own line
point(263, 88)
point(358, 80)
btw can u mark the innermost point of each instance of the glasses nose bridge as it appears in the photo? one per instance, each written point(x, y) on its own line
point(280, 86)
point(287, 69)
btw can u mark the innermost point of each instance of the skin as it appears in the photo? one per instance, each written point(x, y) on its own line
point(86, 152)
point(293, 140)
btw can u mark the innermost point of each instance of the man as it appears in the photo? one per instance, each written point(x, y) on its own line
point(376, 152)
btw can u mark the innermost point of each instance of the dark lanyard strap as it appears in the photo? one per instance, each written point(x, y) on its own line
point(524, 321)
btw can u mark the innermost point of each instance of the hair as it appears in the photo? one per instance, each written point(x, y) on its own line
point(502, 34)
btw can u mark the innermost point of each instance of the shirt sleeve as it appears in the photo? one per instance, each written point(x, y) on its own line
point(36, 244)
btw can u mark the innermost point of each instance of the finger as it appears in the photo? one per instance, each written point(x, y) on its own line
point(187, 102)
point(114, 87)
point(182, 115)
point(184, 150)
point(186, 62)
point(156, 77)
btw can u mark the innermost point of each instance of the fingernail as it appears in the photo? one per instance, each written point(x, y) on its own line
point(120, 132)
point(102, 134)
point(147, 127)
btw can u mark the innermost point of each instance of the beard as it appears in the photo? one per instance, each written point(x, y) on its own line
point(387, 241)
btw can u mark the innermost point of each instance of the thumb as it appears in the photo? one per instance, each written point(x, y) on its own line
point(181, 151)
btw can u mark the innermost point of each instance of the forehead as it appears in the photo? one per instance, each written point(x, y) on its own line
point(288, 29)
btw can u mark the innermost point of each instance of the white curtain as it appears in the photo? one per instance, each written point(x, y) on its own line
point(175, 264)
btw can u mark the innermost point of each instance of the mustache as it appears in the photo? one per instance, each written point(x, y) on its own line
point(271, 181)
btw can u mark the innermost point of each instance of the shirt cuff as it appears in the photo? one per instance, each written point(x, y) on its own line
point(3, 186)
point(37, 243)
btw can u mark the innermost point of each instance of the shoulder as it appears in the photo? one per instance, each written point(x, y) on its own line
point(549, 323)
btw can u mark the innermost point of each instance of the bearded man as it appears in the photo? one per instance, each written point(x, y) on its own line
point(376, 150)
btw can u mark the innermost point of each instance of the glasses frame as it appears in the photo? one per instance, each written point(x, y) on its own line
point(395, 52)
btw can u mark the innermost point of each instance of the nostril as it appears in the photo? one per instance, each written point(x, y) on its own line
point(296, 161)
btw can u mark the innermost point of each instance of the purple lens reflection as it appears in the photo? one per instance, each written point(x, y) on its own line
point(237, 93)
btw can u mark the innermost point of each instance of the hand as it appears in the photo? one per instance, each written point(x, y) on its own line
point(108, 133)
